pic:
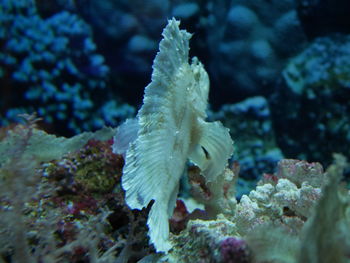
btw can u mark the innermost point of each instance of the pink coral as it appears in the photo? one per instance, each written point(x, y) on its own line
point(234, 250)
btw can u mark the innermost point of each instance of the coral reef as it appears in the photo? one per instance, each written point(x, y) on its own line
point(65, 205)
point(316, 83)
point(55, 68)
point(274, 223)
point(202, 241)
point(284, 198)
point(112, 195)
point(58, 217)
point(68, 212)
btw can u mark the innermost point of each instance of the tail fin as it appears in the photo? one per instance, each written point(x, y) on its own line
point(158, 224)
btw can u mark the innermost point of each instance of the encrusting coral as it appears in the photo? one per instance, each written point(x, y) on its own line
point(61, 199)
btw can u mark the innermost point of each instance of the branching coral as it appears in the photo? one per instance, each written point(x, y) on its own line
point(298, 214)
point(283, 199)
point(54, 67)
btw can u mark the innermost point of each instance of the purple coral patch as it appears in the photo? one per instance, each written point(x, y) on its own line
point(234, 250)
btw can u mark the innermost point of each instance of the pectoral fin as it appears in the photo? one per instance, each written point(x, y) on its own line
point(215, 147)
